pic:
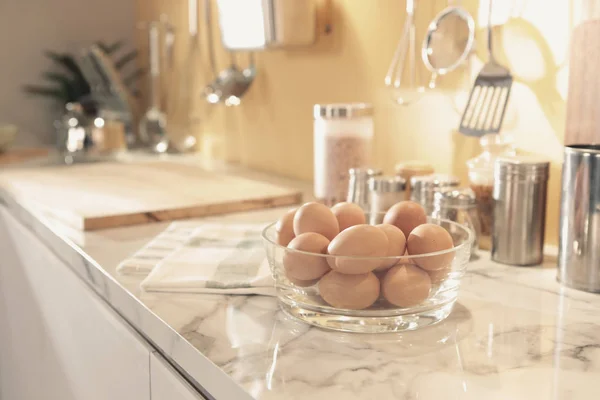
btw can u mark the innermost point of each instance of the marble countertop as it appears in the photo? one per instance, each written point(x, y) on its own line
point(515, 333)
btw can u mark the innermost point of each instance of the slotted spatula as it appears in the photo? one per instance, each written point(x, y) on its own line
point(487, 103)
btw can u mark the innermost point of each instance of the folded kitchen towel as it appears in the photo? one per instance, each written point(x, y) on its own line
point(168, 241)
point(216, 258)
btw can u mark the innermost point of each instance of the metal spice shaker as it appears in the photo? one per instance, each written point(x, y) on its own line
point(342, 140)
point(408, 169)
point(358, 187)
point(384, 192)
point(520, 190)
point(424, 187)
point(458, 205)
point(579, 239)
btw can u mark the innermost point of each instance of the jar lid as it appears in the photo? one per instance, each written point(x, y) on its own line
point(387, 184)
point(455, 197)
point(414, 168)
point(342, 111)
point(433, 181)
point(496, 139)
point(522, 166)
point(364, 172)
point(422, 187)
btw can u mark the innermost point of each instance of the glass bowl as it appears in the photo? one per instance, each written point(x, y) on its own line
point(303, 300)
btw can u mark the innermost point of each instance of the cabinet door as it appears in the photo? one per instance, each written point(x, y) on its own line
point(58, 339)
point(167, 384)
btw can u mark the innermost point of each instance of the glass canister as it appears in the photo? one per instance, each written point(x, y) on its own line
point(458, 205)
point(343, 136)
point(481, 180)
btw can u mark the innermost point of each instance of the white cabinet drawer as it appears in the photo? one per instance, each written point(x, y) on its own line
point(58, 339)
point(167, 384)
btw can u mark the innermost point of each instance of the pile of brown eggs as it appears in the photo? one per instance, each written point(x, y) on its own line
point(343, 232)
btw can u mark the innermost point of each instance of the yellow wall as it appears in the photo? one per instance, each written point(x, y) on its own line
point(272, 129)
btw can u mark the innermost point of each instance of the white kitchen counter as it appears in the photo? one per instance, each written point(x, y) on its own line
point(515, 332)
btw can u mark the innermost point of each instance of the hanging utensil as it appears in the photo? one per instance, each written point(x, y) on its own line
point(167, 54)
point(411, 91)
point(448, 42)
point(185, 105)
point(487, 103)
point(153, 126)
point(214, 91)
point(231, 84)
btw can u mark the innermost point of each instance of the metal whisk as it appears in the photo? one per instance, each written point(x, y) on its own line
point(410, 92)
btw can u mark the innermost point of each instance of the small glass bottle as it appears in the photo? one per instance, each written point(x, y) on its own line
point(343, 134)
point(481, 179)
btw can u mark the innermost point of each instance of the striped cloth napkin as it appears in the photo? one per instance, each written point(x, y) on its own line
point(171, 239)
point(213, 258)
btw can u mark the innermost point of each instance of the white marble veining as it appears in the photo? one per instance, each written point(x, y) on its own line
point(515, 333)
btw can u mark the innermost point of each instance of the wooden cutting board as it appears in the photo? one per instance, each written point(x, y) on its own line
point(105, 195)
point(19, 155)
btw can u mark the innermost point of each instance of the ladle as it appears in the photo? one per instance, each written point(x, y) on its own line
point(231, 84)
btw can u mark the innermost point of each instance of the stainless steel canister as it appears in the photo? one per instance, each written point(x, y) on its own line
point(424, 187)
point(384, 192)
point(579, 238)
point(358, 186)
point(520, 189)
point(458, 205)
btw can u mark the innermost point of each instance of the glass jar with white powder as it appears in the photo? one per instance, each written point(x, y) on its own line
point(343, 135)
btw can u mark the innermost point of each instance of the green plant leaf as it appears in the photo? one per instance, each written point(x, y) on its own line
point(68, 86)
point(125, 59)
point(68, 63)
point(110, 48)
point(53, 92)
point(55, 77)
point(134, 76)
point(65, 61)
point(78, 85)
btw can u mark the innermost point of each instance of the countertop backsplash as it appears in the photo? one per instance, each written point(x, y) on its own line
point(272, 128)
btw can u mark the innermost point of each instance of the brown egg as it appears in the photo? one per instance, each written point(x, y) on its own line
point(285, 228)
point(306, 267)
point(380, 274)
point(429, 238)
point(348, 214)
point(358, 241)
point(317, 218)
point(331, 261)
point(406, 215)
point(406, 260)
point(406, 285)
point(353, 292)
point(396, 244)
point(301, 283)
